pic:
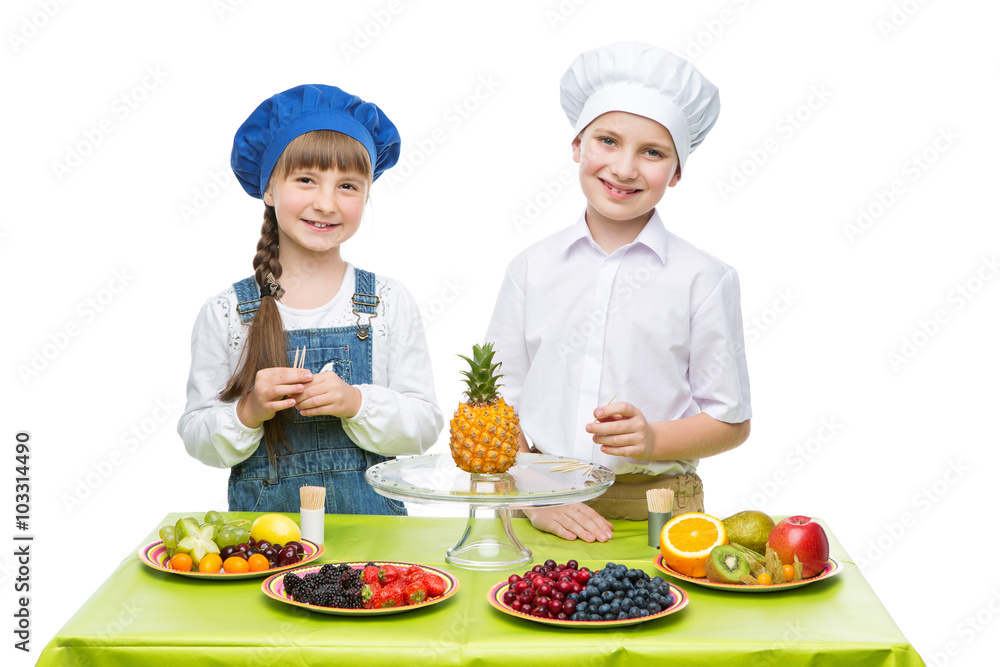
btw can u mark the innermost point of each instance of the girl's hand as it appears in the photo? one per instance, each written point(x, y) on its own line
point(622, 430)
point(571, 521)
point(328, 394)
point(274, 389)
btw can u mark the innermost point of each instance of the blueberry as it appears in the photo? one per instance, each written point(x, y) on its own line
point(616, 606)
point(616, 585)
point(594, 617)
point(643, 613)
point(654, 608)
point(608, 617)
point(627, 585)
point(627, 603)
point(622, 616)
point(595, 600)
point(671, 600)
point(575, 597)
point(633, 612)
point(604, 609)
point(607, 596)
point(603, 586)
point(590, 591)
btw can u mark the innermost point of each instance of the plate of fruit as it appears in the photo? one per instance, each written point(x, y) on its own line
point(216, 549)
point(361, 589)
point(746, 553)
point(571, 596)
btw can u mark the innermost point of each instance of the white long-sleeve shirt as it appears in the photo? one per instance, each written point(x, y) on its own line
point(398, 415)
point(656, 323)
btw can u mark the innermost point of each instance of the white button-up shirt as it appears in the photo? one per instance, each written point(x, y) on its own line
point(656, 323)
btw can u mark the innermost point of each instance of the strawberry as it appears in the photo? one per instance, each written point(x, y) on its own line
point(381, 599)
point(416, 590)
point(368, 592)
point(435, 585)
point(388, 573)
point(414, 571)
point(395, 593)
point(369, 575)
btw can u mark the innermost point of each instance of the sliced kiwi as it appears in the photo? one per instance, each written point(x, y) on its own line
point(726, 565)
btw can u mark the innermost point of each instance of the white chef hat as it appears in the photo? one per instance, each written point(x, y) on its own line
point(644, 80)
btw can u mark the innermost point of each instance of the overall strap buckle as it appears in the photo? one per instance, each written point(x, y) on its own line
point(364, 303)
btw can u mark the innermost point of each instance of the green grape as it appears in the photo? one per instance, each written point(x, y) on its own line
point(215, 518)
point(169, 536)
point(226, 537)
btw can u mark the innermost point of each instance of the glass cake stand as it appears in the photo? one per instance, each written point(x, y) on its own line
point(489, 542)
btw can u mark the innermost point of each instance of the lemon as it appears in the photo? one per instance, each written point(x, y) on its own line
point(275, 528)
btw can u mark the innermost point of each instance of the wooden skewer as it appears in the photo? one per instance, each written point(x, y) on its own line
point(295, 364)
point(608, 403)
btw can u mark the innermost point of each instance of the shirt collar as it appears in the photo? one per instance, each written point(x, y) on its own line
point(653, 235)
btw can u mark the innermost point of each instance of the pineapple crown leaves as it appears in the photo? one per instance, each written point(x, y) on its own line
point(482, 376)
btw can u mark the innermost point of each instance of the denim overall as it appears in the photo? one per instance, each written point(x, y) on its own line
point(321, 453)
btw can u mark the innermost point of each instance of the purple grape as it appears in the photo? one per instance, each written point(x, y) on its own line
point(227, 551)
point(299, 547)
point(243, 548)
point(262, 544)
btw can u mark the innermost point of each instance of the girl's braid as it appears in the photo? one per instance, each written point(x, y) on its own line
point(266, 259)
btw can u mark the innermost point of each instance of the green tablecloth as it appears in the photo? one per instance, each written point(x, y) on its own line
point(143, 617)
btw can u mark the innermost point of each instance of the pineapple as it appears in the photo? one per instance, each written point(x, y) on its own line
point(484, 430)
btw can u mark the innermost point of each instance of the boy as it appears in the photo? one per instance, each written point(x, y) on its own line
point(621, 343)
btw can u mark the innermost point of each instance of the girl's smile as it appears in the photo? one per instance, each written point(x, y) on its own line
point(317, 210)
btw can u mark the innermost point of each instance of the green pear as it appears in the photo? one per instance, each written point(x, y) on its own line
point(749, 529)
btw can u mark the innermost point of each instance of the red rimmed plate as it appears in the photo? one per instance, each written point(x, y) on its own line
point(832, 568)
point(274, 587)
point(495, 598)
point(155, 556)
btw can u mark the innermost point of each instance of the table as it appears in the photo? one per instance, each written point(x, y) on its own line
point(143, 617)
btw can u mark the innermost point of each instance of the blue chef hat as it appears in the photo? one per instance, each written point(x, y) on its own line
point(279, 119)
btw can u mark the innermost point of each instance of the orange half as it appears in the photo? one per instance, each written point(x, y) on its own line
point(688, 539)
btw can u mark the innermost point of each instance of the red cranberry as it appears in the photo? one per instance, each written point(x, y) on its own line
point(564, 587)
point(561, 616)
point(509, 597)
point(544, 589)
point(542, 600)
point(538, 582)
point(513, 579)
point(572, 564)
point(516, 605)
point(540, 611)
point(577, 587)
point(555, 606)
point(527, 595)
point(521, 585)
point(558, 596)
point(569, 606)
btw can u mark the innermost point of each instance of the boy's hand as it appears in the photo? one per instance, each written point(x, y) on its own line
point(571, 521)
point(274, 389)
point(328, 394)
point(622, 430)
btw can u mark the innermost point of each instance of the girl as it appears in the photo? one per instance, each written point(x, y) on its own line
point(364, 390)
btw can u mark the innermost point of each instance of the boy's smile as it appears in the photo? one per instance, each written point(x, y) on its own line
point(627, 162)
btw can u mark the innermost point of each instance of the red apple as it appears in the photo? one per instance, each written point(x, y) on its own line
point(801, 536)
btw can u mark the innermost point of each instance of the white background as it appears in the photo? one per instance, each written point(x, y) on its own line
point(122, 217)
